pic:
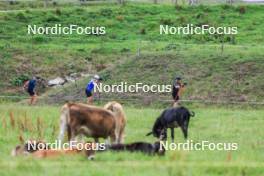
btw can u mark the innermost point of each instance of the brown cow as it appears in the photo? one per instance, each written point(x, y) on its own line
point(120, 117)
point(29, 147)
point(40, 149)
point(88, 151)
point(91, 121)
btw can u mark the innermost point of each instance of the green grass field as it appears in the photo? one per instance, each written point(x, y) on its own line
point(242, 126)
point(216, 68)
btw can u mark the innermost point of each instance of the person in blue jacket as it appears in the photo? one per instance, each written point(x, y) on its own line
point(90, 88)
point(30, 87)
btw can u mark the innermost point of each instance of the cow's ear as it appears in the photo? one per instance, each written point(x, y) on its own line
point(149, 133)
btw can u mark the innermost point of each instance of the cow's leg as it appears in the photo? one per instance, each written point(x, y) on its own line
point(121, 136)
point(62, 130)
point(61, 134)
point(163, 135)
point(107, 141)
point(69, 132)
point(113, 137)
point(117, 136)
point(117, 133)
point(184, 130)
point(63, 121)
point(172, 134)
point(73, 135)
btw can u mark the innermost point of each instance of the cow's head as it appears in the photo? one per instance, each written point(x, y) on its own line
point(158, 129)
point(28, 147)
point(159, 148)
point(160, 133)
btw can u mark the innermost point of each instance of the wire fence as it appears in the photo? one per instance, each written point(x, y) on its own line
point(137, 47)
point(131, 99)
point(190, 2)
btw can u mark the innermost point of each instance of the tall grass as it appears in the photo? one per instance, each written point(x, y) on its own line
point(211, 124)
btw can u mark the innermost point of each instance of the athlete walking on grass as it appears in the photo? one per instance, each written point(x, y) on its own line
point(90, 88)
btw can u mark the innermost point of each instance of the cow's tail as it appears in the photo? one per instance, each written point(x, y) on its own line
point(64, 122)
point(192, 114)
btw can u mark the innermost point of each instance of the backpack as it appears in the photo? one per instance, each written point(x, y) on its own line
point(32, 84)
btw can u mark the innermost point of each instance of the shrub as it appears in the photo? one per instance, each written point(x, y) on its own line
point(106, 75)
point(39, 39)
point(178, 7)
point(120, 18)
point(58, 12)
point(52, 18)
point(54, 3)
point(199, 15)
point(182, 20)
point(18, 81)
point(78, 9)
point(13, 2)
point(124, 50)
point(171, 47)
point(21, 16)
point(100, 67)
point(142, 31)
point(92, 15)
point(99, 50)
point(81, 49)
point(106, 12)
point(242, 9)
point(113, 36)
point(166, 21)
point(226, 6)
point(205, 8)
point(89, 59)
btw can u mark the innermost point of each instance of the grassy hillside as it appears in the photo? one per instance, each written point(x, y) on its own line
point(132, 27)
point(230, 76)
point(213, 125)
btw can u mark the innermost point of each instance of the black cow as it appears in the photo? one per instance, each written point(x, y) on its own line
point(144, 147)
point(171, 118)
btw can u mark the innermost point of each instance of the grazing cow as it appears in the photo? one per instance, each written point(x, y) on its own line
point(171, 118)
point(120, 117)
point(144, 147)
point(91, 121)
